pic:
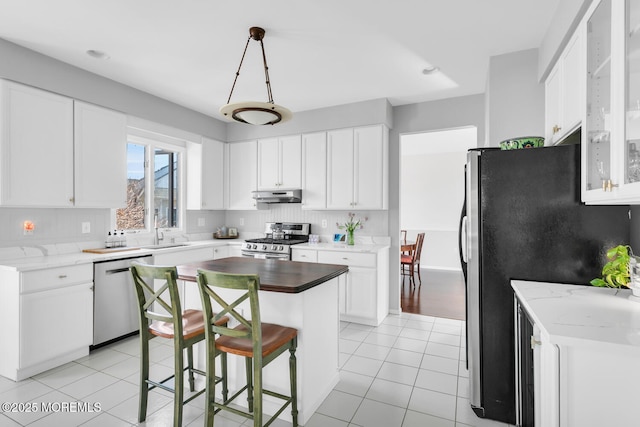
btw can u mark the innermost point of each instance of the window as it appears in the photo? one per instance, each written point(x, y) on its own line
point(153, 200)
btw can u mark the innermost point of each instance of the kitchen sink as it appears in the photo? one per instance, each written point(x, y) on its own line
point(165, 246)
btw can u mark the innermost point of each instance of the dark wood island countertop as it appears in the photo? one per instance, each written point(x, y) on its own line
point(275, 275)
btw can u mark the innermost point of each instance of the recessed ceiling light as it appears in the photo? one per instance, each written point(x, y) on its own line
point(430, 70)
point(97, 54)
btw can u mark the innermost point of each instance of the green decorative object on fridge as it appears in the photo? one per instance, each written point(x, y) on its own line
point(522, 142)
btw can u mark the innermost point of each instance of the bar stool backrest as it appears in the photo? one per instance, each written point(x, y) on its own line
point(152, 294)
point(208, 280)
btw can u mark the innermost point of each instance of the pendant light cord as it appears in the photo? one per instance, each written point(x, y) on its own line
point(266, 74)
point(266, 71)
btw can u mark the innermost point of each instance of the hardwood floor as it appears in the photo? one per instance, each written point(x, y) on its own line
point(441, 294)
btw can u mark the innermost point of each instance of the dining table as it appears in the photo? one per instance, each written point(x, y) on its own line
point(407, 247)
point(295, 294)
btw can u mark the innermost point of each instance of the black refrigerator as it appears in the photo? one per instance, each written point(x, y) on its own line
point(523, 219)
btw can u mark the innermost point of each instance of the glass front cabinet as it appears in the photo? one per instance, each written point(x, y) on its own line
point(611, 124)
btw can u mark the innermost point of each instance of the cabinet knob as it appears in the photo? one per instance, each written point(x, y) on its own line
point(72, 199)
point(608, 185)
point(62, 276)
point(534, 342)
point(556, 129)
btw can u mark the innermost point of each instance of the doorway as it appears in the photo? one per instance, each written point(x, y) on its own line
point(431, 197)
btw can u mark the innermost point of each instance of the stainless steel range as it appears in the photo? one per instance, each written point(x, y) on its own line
point(280, 236)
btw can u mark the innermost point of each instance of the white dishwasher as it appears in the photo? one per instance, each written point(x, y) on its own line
point(115, 307)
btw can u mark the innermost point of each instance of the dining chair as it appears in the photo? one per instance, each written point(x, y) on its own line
point(403, 241)
point(259, 343)
point(412, 261)
point(163, 317)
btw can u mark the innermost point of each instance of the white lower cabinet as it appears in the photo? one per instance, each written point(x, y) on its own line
point(54, 322)
point(364, 290)
point(576, 350)
point(47, 318)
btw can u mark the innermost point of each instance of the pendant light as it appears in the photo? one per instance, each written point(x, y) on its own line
point(254, 112)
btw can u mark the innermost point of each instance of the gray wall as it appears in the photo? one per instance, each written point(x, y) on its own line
point(34, 69)
point(373, 112)
point(64, 225)
point(427, 116)
point(515, 104)
point(565, 20)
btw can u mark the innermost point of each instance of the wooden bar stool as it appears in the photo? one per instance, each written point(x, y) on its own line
point(184, 328)
point(260, 343)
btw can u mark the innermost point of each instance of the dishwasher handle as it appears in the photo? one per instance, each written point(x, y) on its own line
point(117, 270)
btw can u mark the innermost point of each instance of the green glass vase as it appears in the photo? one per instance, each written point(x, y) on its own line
point(350, 239)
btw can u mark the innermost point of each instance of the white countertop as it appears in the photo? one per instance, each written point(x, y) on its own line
point(582, 315)
point(51, 256)
point(364, 248)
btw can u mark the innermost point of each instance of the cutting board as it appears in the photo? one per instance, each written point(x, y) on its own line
point(108, 250)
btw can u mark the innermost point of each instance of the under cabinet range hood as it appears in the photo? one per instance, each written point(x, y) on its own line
point(278, 196)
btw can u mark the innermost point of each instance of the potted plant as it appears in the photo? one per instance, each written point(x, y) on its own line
point(351, 226)
point(616, 272)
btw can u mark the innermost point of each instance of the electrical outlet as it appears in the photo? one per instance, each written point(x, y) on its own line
point(200, 222)
point(241, 221)
point(324, 223)
point(86, 227)
point(28, 227)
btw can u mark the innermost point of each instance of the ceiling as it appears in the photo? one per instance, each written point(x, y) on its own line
point(320, 53)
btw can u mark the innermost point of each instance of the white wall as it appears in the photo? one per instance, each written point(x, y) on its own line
point(432, 191)
point(516, 102)
point(64, 225)
point(568, 15)
point(32, 68)
point(423, 117)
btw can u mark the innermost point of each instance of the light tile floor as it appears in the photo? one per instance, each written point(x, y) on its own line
point(408, 372)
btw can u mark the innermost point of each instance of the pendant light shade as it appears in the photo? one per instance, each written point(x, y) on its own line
point(255, 112)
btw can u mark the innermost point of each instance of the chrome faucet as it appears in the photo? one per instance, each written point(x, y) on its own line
point(158, 236)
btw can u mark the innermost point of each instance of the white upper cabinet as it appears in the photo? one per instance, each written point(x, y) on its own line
point(241, 162)
point(56, 152)
point(357, 168)
point(314, 170)
point(205, 175)
point(611, 131)
point(371, 167)
point(100, 157)
point(340, 176)
point(36, 147)
point(564, 93)
point(280, 163)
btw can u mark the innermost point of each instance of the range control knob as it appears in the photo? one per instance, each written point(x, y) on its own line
point(281, 248)
point(248, 246)
point(274, 248)
point(254, 246)
point(264, 247)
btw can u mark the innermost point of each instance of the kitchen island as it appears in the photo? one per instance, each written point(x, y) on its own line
point(295, 294)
